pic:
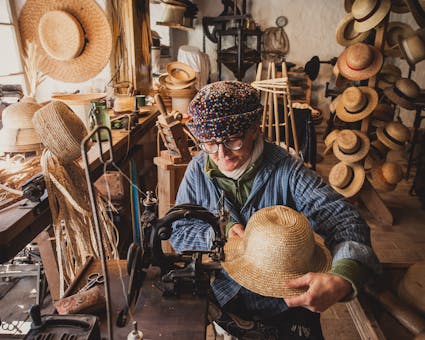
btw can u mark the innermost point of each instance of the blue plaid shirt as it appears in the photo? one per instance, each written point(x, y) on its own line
point(281, 180)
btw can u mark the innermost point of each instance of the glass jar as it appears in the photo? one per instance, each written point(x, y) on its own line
point(99, 115)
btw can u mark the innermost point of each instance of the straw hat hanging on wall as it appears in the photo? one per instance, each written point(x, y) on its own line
point(395, 31)
point(356, 103)
point(18, 133)
point(386, 176)
point(278, 245)
point(347, 179)
point(369, 13)
point(351, 146)
point(346, 35)
point(73, 37)
point(360, 61)
point(394, 135)
point(329, 141)
point(404, 93)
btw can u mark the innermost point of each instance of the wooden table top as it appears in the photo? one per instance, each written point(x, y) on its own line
point(20, 224)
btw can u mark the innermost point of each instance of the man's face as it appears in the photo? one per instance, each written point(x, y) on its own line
point(229, 160)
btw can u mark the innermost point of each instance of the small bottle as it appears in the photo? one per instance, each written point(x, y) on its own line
point(135, 334)
point(99, 115)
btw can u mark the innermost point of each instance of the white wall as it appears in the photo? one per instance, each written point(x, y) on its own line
point(311, 31)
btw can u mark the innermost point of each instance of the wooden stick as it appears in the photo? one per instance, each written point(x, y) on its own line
point(291, 112)
point(259, 69)
point(285, 117)
point(276, 110)
point(270, 117)
point(266, 99)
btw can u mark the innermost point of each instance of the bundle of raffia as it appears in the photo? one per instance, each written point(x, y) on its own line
point(68, 194)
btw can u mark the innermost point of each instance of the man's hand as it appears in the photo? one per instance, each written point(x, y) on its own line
point(237, 230)
point(324, 290)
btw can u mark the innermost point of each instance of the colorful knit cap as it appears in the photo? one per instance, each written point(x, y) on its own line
point(222, 109)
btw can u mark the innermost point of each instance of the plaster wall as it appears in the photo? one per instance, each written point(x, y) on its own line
point(311, 31)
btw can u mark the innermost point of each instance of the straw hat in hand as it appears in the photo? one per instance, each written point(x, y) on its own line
point(278, 245)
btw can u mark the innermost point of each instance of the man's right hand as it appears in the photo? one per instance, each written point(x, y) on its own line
point(237, 230)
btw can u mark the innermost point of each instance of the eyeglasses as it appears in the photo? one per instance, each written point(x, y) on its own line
point(232, 143)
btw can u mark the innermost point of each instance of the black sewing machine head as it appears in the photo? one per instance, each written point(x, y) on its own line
point(183, 272)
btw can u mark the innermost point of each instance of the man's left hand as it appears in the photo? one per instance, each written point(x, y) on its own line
point(324, 290)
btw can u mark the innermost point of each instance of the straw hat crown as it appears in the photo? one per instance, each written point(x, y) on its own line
point(413, 47)
point(61, 130)
point(356, 103)
point(58, 26)
point(359, 61)
point(346, 35)
point(386, 176)
point(351, 146)
point(278, 245)
point(347, 179)
point(394, 135)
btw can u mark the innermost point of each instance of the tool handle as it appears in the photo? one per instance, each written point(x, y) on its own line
point(160, 103)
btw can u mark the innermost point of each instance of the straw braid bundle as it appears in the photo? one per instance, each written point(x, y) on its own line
point(72, 217)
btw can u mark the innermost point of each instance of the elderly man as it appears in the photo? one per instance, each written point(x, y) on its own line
point(255, 174)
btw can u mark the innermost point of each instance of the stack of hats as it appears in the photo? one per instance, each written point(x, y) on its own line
point(179, 82)
point(18, 133)
point(350, 147)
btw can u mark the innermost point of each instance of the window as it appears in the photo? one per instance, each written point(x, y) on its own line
point(11, 70)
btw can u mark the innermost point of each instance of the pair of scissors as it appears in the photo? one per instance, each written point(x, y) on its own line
point(92, 280)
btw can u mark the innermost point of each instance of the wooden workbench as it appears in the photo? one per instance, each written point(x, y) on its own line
point(20, 224)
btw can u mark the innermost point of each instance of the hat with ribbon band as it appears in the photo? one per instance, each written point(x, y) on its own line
point(404, 93)
point(394, 135)
point(351, 146)
point(356, 103)
point(347, 179)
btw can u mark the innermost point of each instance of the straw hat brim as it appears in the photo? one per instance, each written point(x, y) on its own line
point(396, 99)
point(176, 77)
point(404, 30)
point(329, 141)
point(98, 36)
point(343, 30)
point(165, 80)
point(78, 98)
point(355, 157)
point(375, 19)
point(386, 141)
point(19, 140)
point(372, 102)
point(355, 185)
point(366, 73)
point(417, 11)
point(265, 282)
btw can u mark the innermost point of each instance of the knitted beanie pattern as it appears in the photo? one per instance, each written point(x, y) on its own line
point(222, 109)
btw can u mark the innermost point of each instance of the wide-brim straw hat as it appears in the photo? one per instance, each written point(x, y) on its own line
point(394, 135)
point(351, 146)
point(279, 245)
point(180, 72)
point(329, 141)
point(347, 179)
point(386, 176)
point(404, 93)
point(395, 31)
point(360, 61)
point(388, 75)
point(417, 8)
point(60, 130)
point(346, 35)
point(18, 134)
point(73, 37)
point(411, 288)
point(369, 13)
point(412, 47)
point(356, 103)
point(165, 80)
